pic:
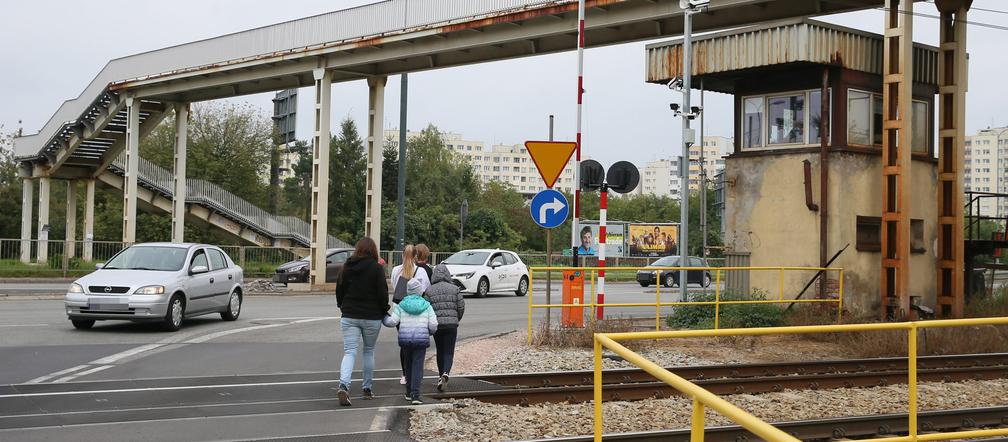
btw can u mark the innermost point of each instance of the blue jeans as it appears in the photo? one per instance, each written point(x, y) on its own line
point(354, 331)
point(414, 369)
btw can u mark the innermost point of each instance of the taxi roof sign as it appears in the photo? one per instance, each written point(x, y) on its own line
point(550, 158)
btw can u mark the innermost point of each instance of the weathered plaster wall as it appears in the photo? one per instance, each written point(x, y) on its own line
point(766, 215)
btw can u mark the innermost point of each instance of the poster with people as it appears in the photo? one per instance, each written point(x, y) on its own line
point(652, 240)
point(615, 239)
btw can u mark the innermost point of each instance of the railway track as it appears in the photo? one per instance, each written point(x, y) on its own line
point(834, 428)
point(635, 384)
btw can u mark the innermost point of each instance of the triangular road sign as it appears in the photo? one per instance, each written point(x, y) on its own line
point(550, 157)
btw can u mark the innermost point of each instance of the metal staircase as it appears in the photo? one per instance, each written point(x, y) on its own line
point(218, 207)
point(975, 243)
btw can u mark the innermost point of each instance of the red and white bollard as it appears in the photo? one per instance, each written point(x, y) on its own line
point(603, 204)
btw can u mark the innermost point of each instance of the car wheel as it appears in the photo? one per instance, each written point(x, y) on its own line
point(175, 313)
point(233, 307)
point(643, 284)
point(82, 324)
point(706, 280)
point(669, 280)
point(523, 286)
point(482, 288)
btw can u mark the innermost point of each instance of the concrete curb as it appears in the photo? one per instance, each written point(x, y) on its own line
point(53, 296)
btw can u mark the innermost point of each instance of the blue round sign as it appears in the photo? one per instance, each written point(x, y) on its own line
point(549, 208)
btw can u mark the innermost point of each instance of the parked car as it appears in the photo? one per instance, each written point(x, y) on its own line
point(483, 271)
point(297, 271)
point(670, 278)
point(158, 282)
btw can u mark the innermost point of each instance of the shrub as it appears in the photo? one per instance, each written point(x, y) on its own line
point(731, 316)
point(566, 337)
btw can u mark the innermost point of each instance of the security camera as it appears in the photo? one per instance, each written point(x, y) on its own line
point(692, 4)
point(696, 109)
point(674, 107)
point(675, 84)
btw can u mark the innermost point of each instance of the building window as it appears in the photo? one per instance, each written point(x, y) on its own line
point(919, 127)
point(869, 235)
point(786, 119)
point(752, 122)
point(859, 128)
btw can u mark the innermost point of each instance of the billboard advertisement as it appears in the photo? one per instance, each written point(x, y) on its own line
point(615, 239)
point(652, 240)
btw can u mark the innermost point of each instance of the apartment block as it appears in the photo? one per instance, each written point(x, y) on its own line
point(986, 168)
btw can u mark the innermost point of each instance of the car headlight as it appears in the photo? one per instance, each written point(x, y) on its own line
point(75, 288)
point(300, 268)
point(465, 275)
point(150, 290)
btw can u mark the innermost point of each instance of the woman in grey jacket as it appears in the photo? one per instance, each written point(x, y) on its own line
point(449, 306)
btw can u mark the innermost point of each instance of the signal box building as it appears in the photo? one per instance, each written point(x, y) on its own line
point(792, 198)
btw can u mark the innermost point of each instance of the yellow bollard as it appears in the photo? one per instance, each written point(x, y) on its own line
point(657, 305)
point(839, 310)
point(697, 423)
point(598, 389)
point(780, 291)
point(912, 382)
point(717, 299)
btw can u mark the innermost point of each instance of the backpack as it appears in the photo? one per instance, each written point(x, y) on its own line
point(400, 290)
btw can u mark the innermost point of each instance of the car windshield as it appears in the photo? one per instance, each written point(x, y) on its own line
point(167, 259)
point(668, 261)
point(467, 258)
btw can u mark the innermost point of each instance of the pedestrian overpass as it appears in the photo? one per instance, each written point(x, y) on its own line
point(96, 135)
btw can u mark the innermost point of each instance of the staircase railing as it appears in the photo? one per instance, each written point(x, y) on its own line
point(984, 206)
point(225, 203)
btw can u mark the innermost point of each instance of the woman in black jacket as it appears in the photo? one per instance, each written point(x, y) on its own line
point(362, 296)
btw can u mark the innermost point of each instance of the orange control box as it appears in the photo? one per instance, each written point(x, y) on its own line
point(573, 293)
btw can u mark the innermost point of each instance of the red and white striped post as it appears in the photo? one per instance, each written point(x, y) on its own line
point(603, 205)
point(577, 154)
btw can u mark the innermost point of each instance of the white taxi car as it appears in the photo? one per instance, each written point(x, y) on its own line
point(483, 271)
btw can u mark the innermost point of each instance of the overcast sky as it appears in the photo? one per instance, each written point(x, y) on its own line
point(53, 48)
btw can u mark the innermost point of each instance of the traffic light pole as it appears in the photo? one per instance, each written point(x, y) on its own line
point(577, 158)
point(603, 206)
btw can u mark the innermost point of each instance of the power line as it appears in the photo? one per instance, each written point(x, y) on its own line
point(974, 8)
point(921, 14)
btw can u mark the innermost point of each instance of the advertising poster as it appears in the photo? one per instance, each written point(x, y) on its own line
point(652, 240)
point(615, 239)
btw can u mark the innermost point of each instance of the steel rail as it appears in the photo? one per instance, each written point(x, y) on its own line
point(627, 375)
point(830, 429)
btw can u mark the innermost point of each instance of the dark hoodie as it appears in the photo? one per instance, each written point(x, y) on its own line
point(362, 292)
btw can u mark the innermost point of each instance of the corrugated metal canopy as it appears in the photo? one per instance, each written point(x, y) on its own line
point(722, 57)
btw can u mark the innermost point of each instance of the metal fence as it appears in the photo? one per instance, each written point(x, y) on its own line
point(703, 398)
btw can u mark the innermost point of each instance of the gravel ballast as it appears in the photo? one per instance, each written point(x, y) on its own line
point(472, 420)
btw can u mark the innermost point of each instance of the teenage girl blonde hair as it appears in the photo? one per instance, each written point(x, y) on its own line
point(409, 262)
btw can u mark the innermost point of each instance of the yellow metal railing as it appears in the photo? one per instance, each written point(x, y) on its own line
point(658, 304)
point(703, 398)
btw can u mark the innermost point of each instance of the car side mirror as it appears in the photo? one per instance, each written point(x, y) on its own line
point(196, 270)
point(99, 266)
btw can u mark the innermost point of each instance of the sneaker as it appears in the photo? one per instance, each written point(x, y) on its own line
point(367, 393)
point(408, 397)
point(402, 380)
point(442, 382)
point(416, 401)
point(344, 395)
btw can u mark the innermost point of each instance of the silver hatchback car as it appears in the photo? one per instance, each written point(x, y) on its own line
point(158, 282)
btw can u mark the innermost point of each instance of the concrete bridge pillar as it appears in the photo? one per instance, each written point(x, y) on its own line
point(27, 189)
point(320, 176)
point(375, 143)
point(43, 221)
point(179, 193)
point(132, 152)
point(89, 190)
point(70, 246)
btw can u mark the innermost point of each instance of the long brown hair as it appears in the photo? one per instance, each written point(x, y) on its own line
point(366, 247)
point(409, 261)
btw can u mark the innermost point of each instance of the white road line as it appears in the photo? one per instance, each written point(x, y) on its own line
point(219, 334)
point(41, 379)
point(380, 421)
point(112, 359)
point(181, 387)
point(23, 325)
point(83, 373)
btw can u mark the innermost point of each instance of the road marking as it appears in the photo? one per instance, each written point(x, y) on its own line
point(112, 359)
point(182, 387)
point(24, 325)
point(41, 379)
point(177, 339)
point(380, 421)
point(82, 373)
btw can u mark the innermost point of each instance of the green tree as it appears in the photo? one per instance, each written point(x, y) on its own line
point(10, 189)
point(297, 188)
point(347, 176)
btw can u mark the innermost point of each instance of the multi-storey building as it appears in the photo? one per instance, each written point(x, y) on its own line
point(510, 164)
point(661, 177)
point(986, 168)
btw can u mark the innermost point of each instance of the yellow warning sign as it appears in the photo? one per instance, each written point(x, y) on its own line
point(550, 157)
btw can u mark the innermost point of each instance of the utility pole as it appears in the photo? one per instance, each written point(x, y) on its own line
point(401, 216)
point(549, 252)
point(703, 184)
point(688, 113)
point(577, 154)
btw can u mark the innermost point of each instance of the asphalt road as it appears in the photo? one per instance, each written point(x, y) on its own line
point(271, 374)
